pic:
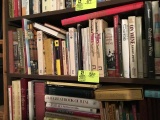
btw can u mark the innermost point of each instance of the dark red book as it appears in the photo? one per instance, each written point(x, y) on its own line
point(73, 112)
point(143, 109)
point(102, 13)
point(24, 98)
point(39, 100)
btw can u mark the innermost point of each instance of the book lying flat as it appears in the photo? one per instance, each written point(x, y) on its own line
point(117, 92)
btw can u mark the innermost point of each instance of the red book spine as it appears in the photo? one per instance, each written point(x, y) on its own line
point(102, 13)
point(39, 100)
point(24, 103)
point(11, 57)
point(116, 20)
point(15, 8)
point(71, 112)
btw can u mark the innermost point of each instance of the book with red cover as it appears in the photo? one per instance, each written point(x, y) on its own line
point(102, 13)
point(24, 98)
point(39, 100)
point(73, 112)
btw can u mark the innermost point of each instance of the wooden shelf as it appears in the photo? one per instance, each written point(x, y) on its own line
point(138, 81)
point(1, 112)
point(50, 14)
point(1, 42)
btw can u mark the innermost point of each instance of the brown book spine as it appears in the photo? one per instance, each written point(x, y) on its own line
point(11, 57)
point(24, 98)
point(39, 100)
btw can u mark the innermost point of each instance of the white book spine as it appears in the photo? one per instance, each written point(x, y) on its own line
point(81, 102)
point(89, 49)
point(10, 102)
point(61, 4)
point(92, 25)
point(31, 100)
point(139, 46)
point(64, 57)
point(19, 100)
point(76, 52)
point(45, 7)
point(72, 51)
point(83, 49)
point(86, 50)
point(101, 25)
point(36, 7)
point(125, 48)
point(53, 5)
point(41, 60)
point(132, 46)
point(84, 109)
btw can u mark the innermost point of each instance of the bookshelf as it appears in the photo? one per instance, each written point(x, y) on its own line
point(7, 22)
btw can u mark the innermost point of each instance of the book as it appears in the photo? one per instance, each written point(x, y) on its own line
point(49, 31)
point(102, 13)
point(118, 93)
point(55, 28)
point(94, 86)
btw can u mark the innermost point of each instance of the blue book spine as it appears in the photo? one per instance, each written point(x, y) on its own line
point(152, 93)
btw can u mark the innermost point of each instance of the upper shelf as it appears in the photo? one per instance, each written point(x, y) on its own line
point(138, 81)
point(50, 14)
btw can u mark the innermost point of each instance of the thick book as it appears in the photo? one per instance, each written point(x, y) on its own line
point(102, 13)
point(118, 92)
point(83, 102)
point(70, 91)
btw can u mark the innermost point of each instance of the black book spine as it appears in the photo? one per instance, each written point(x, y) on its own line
point(71, 92)
point(149, 39)
point(79, 44)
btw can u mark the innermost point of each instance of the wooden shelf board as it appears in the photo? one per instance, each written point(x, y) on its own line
point(138, 81)
point(1, 41)
point(69, 10)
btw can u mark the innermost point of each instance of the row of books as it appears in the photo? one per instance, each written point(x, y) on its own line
point(34, 99)
point(27, 7)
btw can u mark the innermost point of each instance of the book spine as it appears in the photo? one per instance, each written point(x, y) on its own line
point(10, 102)
point(101, 25)
point(68, 4)
point(64, 57)
point(152, 93)
point(132, 46)
point(11, 57)
point(19, 8)
point(72, 92)
point(125, 48)
point(149, 39)
point(91, 103)
point(15, 8)
point(93, 44)
point(68, 53)
point(117, 68)
point(71, 112)
point(67, 116)
point(84, 109)
point(39, 100)
point(156, 34)
point(103, 13)
point(41, 66)
point(139, 46)
point(79, 45)
point(48, 51)
point(120, 62)
point(31, 113)
point(89, 48)
point(110, 48)
point(72, 51)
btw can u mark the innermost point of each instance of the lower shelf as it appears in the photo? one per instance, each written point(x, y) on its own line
point(140, 81)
